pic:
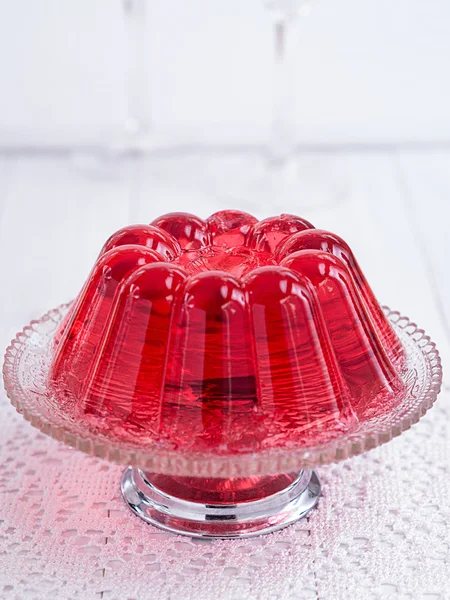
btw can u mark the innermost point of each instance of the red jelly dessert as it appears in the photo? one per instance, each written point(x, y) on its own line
point(226, 335)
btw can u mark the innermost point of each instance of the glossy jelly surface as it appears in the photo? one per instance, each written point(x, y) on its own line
point(226, 335)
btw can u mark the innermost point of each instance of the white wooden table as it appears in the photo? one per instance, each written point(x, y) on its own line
point(55, 214)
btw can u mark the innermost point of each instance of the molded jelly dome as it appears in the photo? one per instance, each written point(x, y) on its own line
point(227, 334)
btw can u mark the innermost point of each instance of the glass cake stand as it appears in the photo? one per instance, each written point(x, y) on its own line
point(216, 495)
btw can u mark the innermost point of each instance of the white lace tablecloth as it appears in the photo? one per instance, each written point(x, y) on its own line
point(381, 530)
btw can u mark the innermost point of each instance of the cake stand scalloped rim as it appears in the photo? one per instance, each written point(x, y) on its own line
point(214, 465)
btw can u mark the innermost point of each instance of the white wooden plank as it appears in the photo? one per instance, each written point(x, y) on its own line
point(426, 182)
point(203, 183)
point(55, 220)
point(7, 169)
point(6, 173)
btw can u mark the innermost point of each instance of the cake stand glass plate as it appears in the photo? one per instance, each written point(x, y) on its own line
point(212, 494)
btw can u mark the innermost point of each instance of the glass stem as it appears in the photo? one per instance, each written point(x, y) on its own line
point(283, 128)
point(137, 75)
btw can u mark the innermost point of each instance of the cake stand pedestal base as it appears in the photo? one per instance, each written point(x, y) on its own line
point(220, 508)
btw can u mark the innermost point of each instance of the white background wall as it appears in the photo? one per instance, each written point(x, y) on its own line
point(368, 70)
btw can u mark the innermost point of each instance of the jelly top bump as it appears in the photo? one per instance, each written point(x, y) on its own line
point(315, 239)
point(118, 262)
point(230, 228)
point(271, 232)
point(149, 236)
point(212, 289)
point(152, 282)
